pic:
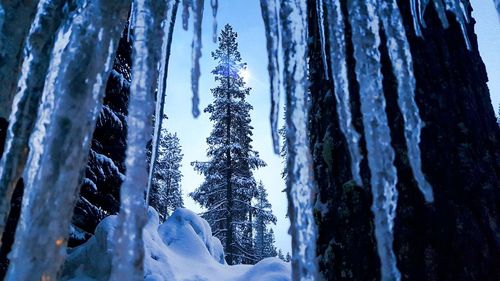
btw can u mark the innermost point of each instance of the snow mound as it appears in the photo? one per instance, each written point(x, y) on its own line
point(181, 249)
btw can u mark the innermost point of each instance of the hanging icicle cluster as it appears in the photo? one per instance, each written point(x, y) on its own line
point(148, 35)
point(66, 85)
point(271, 23)
point(168, 29)
point(459, 8)
point(59, 145)
point(37, 56)
point(301, 186)
point(364, 17)
point(340, 80)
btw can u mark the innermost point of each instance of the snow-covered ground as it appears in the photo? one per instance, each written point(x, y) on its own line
point(181, 249)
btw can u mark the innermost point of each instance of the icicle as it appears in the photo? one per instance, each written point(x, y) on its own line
point(459, 8)
point(130, 21)
point(197, 6)
point(402, 65)
point(16, 21)
point(127, 261)
point(185, 13)
point(162, 92)
point(497, 5)
point(36, 61)
point(80, 64)
point(321, 26)
point(366, 41)
point(341, 84)
point(269, 10)
point(2, 16)
point(215, 6)
point(301, 187)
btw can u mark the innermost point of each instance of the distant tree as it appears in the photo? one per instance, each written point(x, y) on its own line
point(166, 193)
point(280, 255)
point(288, 257)
point(269, 244)
point(263, 241)
point(229, 184)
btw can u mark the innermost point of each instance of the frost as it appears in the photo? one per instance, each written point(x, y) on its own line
point(30, 84)
point(459, 8)
point(60, 144)
point(148, 35)
point(341, 84)
point(301, 185)
point(402, 65)
point(365, 36)
point(269, 10)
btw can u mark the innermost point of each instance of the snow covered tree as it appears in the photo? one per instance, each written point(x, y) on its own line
point(229, 184)
point(269, 249)
point(280, 255)
point(166, 193)
point(264, 238)
point(288, 257)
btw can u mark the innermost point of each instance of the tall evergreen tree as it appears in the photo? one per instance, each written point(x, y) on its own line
point(166, 193)
point(229, 184)
point(264, 238)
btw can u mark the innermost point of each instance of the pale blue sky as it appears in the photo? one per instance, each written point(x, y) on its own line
point(488, 36)
point(245, 17)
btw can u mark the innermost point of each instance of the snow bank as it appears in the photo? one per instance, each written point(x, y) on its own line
point(181, 249)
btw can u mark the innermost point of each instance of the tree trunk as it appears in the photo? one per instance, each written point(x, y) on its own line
point(457, 236)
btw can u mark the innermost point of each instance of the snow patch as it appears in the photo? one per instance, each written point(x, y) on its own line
point(182, 248)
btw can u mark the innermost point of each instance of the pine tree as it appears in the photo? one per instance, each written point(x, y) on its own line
point(288, 257)
point(166, 193)
point(264, 239)
point(280, 255)
point(269, 241)
point(229, 184)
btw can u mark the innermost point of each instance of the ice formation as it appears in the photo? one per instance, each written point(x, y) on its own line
point(301, 183)
point(40, 39)
point(54, 164)
point(148, 35)
point(269, 10)
point(59, 146)
point(161, 93)
point(341, 83)
point(402, 65)
point(196, 7)
point(320, 13)
point(15, 19)
point(365, 36)
point(182, 248)
point(215, 6)
point(459, 8)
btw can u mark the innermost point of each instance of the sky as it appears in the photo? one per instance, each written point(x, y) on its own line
point(488, 35)
point(245, 17)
